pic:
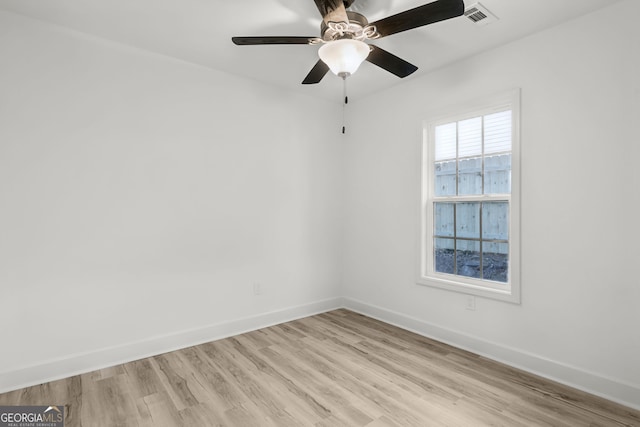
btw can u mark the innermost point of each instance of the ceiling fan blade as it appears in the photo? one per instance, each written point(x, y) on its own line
point(316, 74)
point(430, 13)
point(332, 10)
point(272, 40)
point(390, 62)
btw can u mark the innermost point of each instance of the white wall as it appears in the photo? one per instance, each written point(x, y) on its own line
point(142, 197)
point(579, 314)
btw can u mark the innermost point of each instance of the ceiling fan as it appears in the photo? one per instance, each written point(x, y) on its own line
point(343, 34)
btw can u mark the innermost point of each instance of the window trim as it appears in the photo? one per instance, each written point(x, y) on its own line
point(509, 292)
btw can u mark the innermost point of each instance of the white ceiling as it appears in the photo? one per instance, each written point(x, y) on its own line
point(200, 31)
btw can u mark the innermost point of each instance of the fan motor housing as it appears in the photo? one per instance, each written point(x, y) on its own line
point(357, 24)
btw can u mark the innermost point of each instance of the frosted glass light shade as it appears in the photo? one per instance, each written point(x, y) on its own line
point(344, 56)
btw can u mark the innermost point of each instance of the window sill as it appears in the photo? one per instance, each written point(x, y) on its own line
point(506, 294)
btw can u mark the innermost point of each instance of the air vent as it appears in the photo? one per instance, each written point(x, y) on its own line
point(479, 15)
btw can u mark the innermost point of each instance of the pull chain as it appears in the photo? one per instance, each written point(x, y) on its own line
point(345, 102)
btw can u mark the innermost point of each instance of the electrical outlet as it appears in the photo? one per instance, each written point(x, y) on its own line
point(471, 303)
point(257, 289)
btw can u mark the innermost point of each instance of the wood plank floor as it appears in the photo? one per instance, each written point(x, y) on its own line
point(334, 369)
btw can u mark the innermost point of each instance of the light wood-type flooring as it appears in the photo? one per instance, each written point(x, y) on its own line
point(333, 369)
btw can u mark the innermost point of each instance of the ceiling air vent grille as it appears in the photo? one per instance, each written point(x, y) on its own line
point(479, 15)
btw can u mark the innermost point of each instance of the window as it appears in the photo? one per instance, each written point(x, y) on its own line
point(470, 200)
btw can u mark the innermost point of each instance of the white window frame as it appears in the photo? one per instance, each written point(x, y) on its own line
point(427, 275)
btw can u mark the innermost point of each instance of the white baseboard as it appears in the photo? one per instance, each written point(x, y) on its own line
point(86, 362)
point(608, 388)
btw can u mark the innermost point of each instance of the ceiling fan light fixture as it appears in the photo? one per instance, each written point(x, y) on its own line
point(344, 56)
